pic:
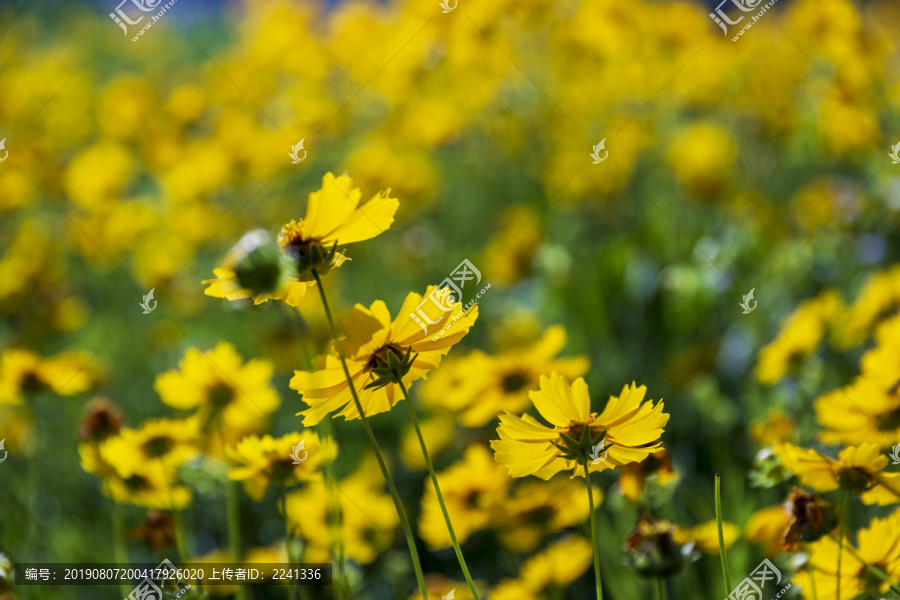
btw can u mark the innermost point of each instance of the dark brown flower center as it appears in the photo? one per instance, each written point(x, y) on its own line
point(158, 446)
point(513, 382)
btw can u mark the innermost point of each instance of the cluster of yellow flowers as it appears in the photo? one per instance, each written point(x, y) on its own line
point(862, 419)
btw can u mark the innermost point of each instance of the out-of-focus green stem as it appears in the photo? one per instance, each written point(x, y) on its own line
point(595, 538)
point(119, 548)
point(234, 530)
point(722, 554)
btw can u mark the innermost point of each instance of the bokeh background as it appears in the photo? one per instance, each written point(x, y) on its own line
point(758, 164)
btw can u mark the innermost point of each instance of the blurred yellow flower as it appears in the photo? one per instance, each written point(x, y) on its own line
point(857, 469)
point(864, 411)
point(166, 442)
point(706, 535)
point(147, 485)
point(480, 385)
point(232, 398)
point(555, 567)
point(370, 338)
point(630, 430)
point(656, 467)
point(473, 488)
point(537, 509)
point(879, 296)
point(438, 431)
point(767, 527)
point(881, 364)
point(368, 517)
point(878, 547)
point(23, 372)
point(265, 460)
point(776, 427)
point(800, 334)
point(702, 156)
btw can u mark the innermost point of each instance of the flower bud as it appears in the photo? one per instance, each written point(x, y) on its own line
point(256, 262)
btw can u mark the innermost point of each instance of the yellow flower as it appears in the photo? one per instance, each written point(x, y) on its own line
point(167, 442)
point(231, 397)
point(472, 489)
point(857, 469)
point(557, 566)
point(878, 546)
point(266, 460)
point(702, 157)
point(767, 527)
point(537, 509)
point(149, 485)
point(480, 385)
point(656, 467)
point(370, 341)
point(881, 364)
point(864, 411)
point(878, 297)
point(334, 216)
point(706, 535)
point(630, 429)
point(800, 335)
point(368, 516)
point(23, 372)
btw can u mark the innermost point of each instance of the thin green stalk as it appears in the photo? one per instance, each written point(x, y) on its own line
point(395, 496)
point(595, 539)
point(120, 551)
point(334, 518)
point(843, 523)
point(661, 589)
point(722, 555)
point(437, 489)
point(234, 530)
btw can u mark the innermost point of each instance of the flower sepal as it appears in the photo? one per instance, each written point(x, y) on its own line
point(392, 368)
point(578, 449)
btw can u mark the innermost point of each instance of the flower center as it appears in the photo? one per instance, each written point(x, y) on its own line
point(380, 358)
point(855, 479)
point(513, 382)
point(219, 396)
point(136, 483)
point(158, 446)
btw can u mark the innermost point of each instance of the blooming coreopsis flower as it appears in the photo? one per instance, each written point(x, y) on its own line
point(334, 216)
point(371, 344)
point(553, 568)
point(168, 442)
point(878, 548)
point(23, 372)
point(281, 461)
point(479, 385)
point(232, 398)
point(857, 469)
point(147, 485)
point(628, 430)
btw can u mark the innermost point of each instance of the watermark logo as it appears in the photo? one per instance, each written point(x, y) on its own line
point(596, 153)
point(445, 4)
point(295, 452)
point(148, 589)
point(748, 298)
point(895, 159)
point(5, 452)
point(751, 588)
point(148, 298)
point(123, 19)
point(595, 456)
point(895, 454)
point(5, 151)
point(449, 596)
point(295, 149)
point(722, 19)
point(447, 295)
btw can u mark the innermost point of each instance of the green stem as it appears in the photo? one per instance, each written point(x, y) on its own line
point(334, 518)
point(722, 555)
point(398, 504)
point(234, 529)
point(437, 489)
point(120, 550)
point(288, 546)
point(843, 520)
point(595, 540)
